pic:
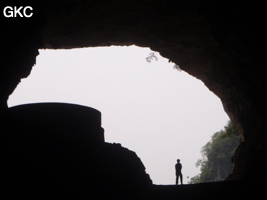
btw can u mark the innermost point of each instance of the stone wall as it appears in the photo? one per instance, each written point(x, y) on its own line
point(55, 150)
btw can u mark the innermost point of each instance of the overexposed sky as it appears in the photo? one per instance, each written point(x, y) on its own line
point(150, 108)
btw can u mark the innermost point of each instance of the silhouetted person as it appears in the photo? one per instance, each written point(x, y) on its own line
point(178, 170)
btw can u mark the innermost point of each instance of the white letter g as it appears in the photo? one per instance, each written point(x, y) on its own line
point(9, 13)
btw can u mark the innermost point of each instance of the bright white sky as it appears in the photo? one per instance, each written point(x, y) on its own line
point(150, 108)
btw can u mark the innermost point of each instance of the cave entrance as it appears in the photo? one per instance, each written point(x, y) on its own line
point(160, 113)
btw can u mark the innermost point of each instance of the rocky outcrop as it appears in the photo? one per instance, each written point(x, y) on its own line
point(58, 150)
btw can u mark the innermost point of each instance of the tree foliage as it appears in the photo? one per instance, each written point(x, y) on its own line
point(216, 164)
point(152, 56)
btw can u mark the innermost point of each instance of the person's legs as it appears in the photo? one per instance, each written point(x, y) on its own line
point(176, 183)
point(181, 177)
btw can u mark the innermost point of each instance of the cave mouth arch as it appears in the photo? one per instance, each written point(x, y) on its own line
point(160, 76)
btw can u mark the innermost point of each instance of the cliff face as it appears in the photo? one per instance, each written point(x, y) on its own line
point(221, 43)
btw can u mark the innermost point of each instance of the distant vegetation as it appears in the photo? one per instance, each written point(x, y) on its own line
point(216, 164)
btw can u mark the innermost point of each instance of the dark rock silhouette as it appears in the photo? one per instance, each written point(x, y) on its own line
point(53, 149)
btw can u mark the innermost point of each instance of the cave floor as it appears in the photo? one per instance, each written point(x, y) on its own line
point(215, 190)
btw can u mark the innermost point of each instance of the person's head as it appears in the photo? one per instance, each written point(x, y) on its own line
point(178, 160)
